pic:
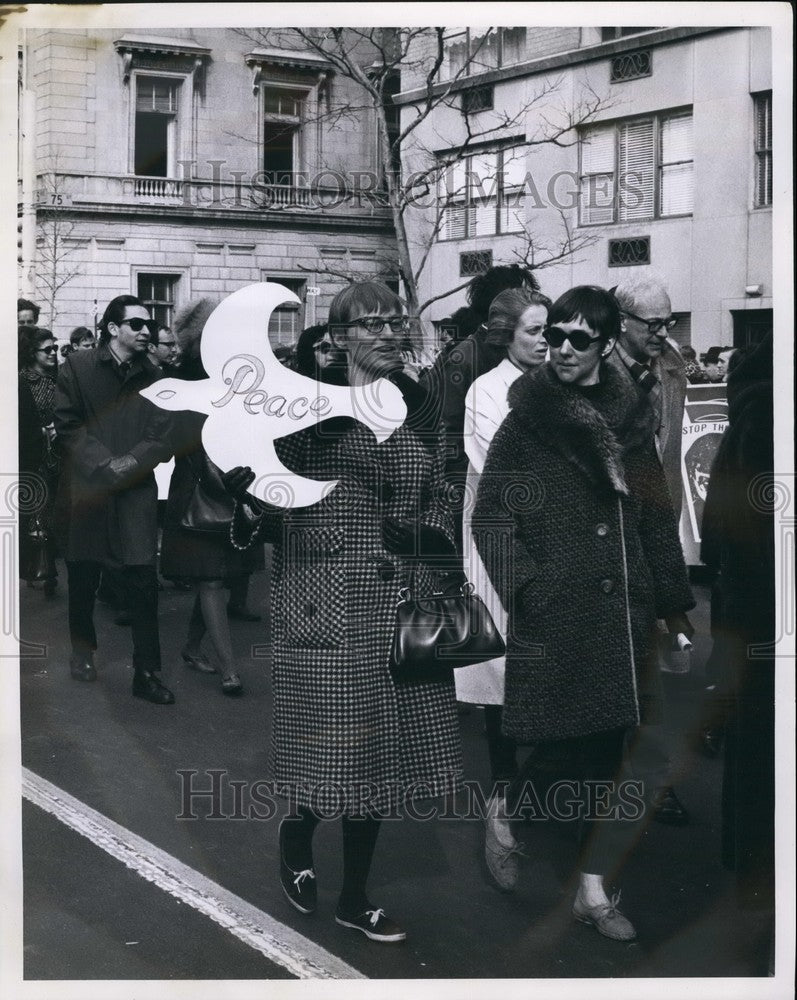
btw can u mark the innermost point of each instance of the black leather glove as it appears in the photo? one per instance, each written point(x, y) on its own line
point(237, 482)
point(415, 541)
point(679, 623)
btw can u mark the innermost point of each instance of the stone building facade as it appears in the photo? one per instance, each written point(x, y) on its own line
point(186, 166)
point(672, 172)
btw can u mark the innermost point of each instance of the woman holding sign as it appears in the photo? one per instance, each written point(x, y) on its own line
point(584, 560)
point(346, 740)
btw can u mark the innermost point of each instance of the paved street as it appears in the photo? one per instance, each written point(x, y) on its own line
point(199, 898)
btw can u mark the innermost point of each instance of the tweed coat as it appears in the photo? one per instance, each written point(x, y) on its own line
point(99, 415)
point(583, 559)
point(670, 370)
point(345, 736)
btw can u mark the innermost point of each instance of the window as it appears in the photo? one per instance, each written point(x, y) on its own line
point(609, 34)
point(631, 66)
point(637, 169)
point(282, 119)
point(482, 194)
point(763, 149)
point(158, 293)
point(156, 123)
point(287, 320)
point(681, 333)
point(477, 99)
point(476, 50)
point(629, 252)
point(475, 262)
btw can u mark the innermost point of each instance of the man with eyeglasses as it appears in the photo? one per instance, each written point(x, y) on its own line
point(164, 350)
point(112, 439)
point(645, 356)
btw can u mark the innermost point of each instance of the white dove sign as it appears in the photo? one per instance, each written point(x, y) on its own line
point(251, 399)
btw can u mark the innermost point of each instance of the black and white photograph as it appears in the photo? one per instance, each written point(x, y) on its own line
point(398, 500)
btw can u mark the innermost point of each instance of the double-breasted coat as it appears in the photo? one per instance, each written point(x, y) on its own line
point(345, 736)
point(582, 553)
point(99, 415)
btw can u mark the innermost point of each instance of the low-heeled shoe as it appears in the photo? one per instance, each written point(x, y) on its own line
point(199, 663)
point(82, 668)
point(147, 685)
point(606, 919)
point(298, 886)
point(374, 924)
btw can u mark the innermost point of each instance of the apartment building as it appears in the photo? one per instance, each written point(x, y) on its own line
point(187, 165)
point(667, 165)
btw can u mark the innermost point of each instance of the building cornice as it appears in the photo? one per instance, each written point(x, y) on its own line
point(561, 60)
point(209, 217)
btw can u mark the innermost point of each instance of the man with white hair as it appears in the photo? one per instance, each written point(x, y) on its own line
point(646, 357)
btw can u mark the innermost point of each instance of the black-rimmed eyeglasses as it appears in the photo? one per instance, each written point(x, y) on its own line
point(654, 325)
point(376, 324)
point(48, 350)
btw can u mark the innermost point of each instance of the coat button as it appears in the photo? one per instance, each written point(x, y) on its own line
point(386, 570)
point(607, 586)
point(309, 609)
point(602, 530)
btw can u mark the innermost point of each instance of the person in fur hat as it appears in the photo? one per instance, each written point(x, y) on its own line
point(575, 528)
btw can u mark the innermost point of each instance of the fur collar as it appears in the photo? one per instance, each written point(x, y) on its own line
point(593, 433)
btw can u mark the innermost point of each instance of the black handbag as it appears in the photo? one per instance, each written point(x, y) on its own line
point(210, 507)
point(436, 634)
point(40, 558)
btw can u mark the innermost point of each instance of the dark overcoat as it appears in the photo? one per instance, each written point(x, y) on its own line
point(585, 557)
point(344, 734)
point(99, 415)
point(739, 536)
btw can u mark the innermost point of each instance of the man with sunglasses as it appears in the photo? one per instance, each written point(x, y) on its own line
point(112, 440)
point(645, 356)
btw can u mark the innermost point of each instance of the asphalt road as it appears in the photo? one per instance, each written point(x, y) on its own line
point(90, 916)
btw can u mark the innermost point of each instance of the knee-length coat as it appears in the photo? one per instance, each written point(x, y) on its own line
point(344, 735)
point(581, 544)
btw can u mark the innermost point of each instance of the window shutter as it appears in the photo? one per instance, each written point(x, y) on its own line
point(597, 180)
point(636, 170)
point(763, 149)
point(676, 166)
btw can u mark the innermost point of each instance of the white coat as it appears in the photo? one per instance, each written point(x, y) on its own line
point(486, 406)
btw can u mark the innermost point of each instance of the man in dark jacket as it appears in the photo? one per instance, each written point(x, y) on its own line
point(112, 439)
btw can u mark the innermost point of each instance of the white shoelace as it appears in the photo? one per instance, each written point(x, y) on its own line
point(301, 876)
point(374, 915)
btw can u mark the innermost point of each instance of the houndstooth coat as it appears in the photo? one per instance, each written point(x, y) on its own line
point(345, 736)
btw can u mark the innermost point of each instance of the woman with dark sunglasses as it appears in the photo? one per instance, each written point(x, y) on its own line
point(38, 366)
point(585, 555)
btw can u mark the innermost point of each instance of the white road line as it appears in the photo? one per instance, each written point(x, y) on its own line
point(279, 944)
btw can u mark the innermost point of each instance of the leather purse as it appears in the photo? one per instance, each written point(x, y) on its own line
point(40, 558)
point(437, 634)
point(210, 507)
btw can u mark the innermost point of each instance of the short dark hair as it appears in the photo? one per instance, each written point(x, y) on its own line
point(115, 313)
point(712, 355)
point(27, 304)
point(156, 331)
point(505, 312)
point(596, 306)
point(484, 287)
point(29, 339)
point(80, 333)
